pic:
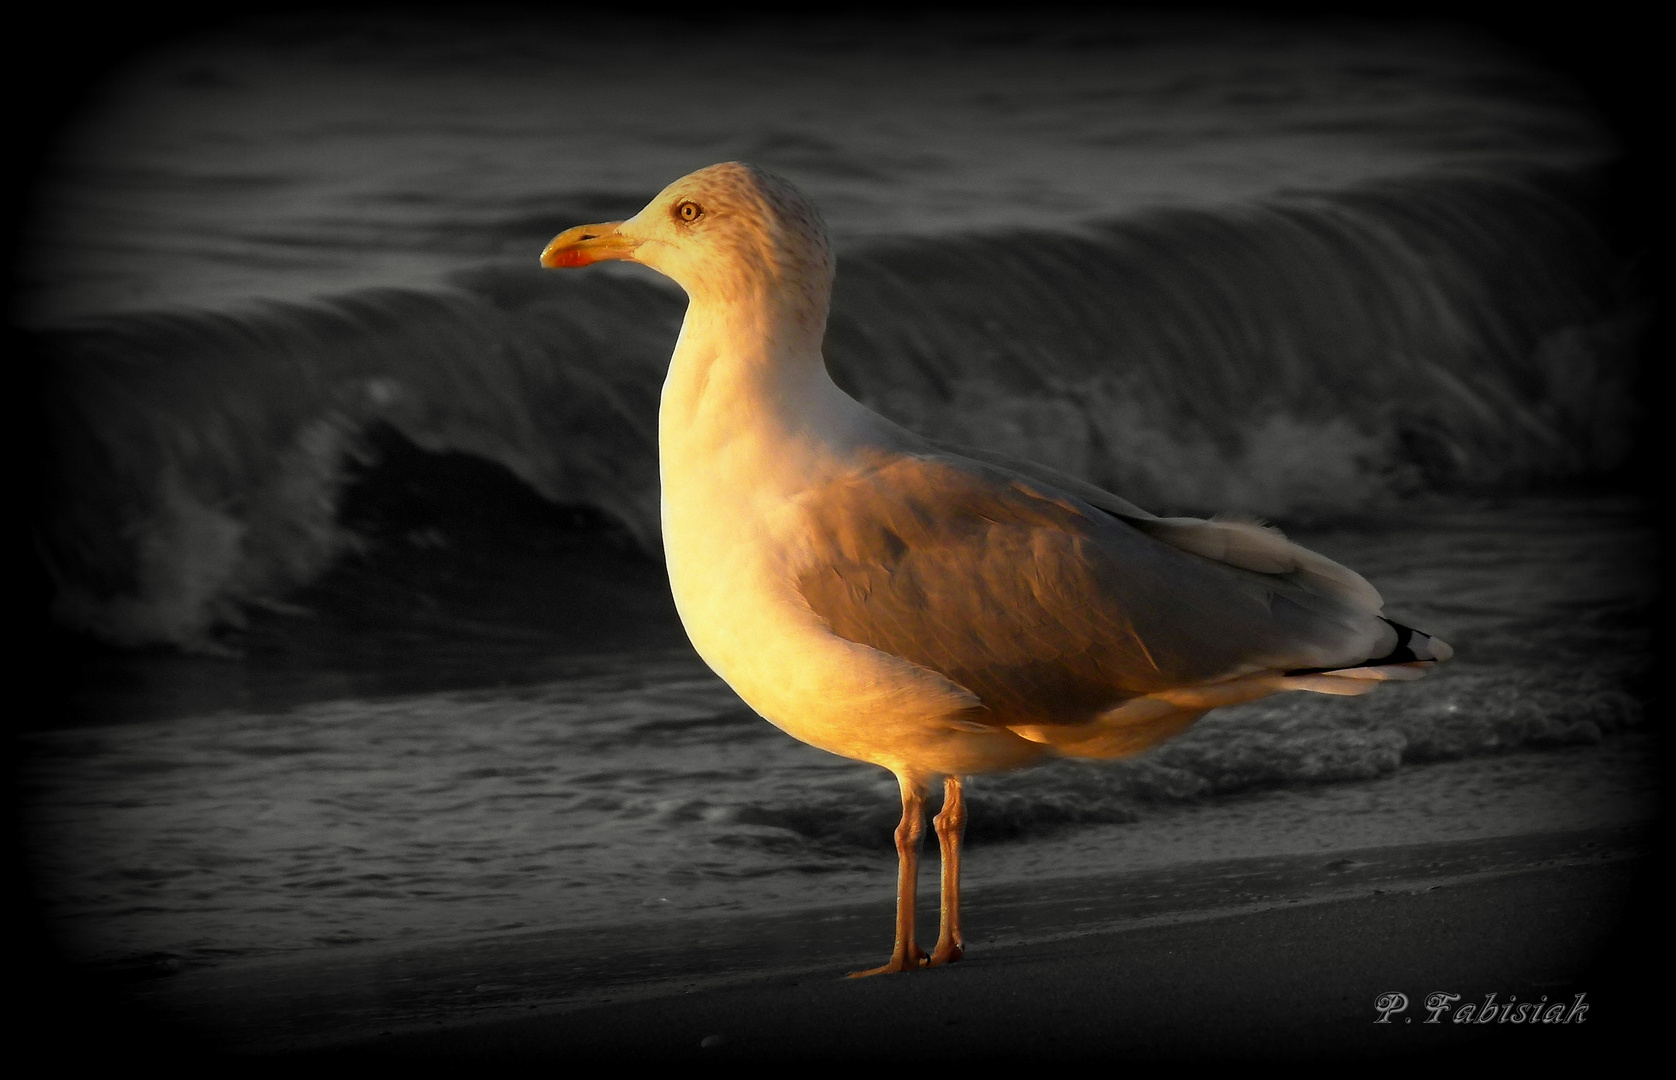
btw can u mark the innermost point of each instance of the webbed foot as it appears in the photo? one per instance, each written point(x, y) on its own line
point(899, 962)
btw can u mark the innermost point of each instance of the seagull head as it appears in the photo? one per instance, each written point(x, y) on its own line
point(729, 232)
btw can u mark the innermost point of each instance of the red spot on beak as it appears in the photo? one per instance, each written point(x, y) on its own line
point(587, 244)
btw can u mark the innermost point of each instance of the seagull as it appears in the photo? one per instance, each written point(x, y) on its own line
point(938, 611)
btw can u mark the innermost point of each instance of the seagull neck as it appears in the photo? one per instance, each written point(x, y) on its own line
point(742, 368)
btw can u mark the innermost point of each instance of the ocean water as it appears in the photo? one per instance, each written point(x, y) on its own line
point(352, 534)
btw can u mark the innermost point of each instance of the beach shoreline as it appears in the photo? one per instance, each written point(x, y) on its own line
point(434, 973)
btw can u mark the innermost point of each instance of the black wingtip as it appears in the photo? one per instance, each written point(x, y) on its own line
point(1403, 653)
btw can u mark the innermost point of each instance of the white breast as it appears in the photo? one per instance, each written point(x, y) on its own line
point(735, 537)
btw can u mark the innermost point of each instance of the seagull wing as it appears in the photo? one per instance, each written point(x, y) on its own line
point(1240, 543)
point(1050, 608)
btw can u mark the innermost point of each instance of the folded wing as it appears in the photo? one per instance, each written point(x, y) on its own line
point(1054, 601)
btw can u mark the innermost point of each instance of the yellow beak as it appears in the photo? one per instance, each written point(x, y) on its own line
point(589, 244)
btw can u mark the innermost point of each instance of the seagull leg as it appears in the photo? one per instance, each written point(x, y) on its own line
point(951, 826)
point(906, 956)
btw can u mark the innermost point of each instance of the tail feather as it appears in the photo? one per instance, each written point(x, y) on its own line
point(1144, 721)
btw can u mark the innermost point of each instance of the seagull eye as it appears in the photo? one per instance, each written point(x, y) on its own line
point(689, 211)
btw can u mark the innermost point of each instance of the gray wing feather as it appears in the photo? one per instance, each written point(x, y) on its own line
point(1046, 608)
point(1245, 544)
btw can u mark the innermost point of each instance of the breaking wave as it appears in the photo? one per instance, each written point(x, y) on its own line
point(1305, 358)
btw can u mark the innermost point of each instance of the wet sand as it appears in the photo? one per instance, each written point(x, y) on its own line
point(1269, 956)
point(1292, 973)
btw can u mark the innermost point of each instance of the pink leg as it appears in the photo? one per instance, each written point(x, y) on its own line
point(906, 956)
point(951, 826)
